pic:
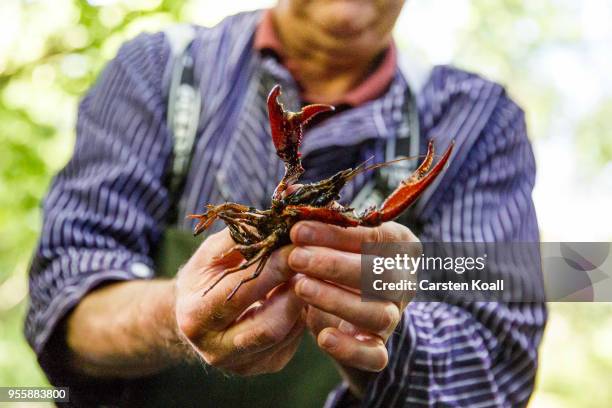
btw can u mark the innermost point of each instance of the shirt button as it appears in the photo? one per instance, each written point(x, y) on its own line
point(141, 270)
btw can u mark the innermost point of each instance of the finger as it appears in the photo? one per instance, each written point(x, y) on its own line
point(329, 264)
point(274, 359)
point(317, 320)
point(375, 317)
point(265, 326)
point(281, 358)
point(368, 354)
point(348, 239)
point(217, 312)
point(214, 245)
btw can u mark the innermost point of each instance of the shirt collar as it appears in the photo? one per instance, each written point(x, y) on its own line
point(375, 85)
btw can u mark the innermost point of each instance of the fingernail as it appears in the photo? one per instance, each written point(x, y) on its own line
point(305, 234)
point(329, 340)
point(299, 259)
point(347, 328)
point(307, 288)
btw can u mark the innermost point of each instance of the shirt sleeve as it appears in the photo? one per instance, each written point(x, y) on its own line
point(104, 210)
point(471, 353)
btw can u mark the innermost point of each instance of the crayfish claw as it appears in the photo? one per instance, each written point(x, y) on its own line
point(287, 131)
point(310, 111)
point(424, 167)
point(407, 192)
point(287, 127)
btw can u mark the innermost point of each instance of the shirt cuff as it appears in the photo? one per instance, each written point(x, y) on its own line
point(54, 292)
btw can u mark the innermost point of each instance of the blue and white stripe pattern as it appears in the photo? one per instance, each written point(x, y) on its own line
point(105, 211)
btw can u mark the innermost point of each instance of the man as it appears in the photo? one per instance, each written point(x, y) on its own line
point(100, 317)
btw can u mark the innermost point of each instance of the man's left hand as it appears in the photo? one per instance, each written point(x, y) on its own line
point(351, 331)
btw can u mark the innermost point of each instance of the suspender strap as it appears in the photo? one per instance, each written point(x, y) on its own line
point(184, 107)
point(407, 143)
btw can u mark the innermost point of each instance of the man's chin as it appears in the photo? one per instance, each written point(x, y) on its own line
point(346, 18)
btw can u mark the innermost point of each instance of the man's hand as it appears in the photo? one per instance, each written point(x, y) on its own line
point(244, 335)
point(353, 332)
point(135, 328)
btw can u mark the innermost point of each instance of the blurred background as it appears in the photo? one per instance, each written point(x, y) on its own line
point(554, 56)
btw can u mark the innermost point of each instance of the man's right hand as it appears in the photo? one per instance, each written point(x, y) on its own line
point(139, 327)
point(255, 332)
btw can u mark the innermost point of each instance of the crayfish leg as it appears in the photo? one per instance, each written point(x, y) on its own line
point(323, 214)
point(243, 265)
point(206, 219)
point(225, 256)
point(260, 251)
point(258, 270)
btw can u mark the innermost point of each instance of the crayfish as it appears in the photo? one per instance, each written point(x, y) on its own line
point(258, 233)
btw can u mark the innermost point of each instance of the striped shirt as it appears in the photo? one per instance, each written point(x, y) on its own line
point(106, 209)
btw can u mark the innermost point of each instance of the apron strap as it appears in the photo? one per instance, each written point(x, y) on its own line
point(406, 144)
point(184, 107)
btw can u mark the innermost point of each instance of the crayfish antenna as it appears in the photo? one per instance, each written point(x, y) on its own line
point(362, 168)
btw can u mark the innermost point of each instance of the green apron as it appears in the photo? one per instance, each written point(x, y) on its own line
point(304, 382)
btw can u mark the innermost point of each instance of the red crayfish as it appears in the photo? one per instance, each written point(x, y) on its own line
point(259, 232)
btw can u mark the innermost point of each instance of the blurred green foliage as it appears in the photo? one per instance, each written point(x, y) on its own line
point(593, 144)
point(54, 55)
point(52, 50)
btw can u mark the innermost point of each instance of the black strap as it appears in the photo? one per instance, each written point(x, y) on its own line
point(406, 144)
point(183, 116)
